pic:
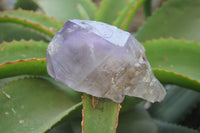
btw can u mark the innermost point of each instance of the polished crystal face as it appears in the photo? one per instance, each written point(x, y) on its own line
point(103, 61)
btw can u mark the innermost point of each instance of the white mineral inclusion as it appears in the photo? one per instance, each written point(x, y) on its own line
point(103, 61)
point(53, 46)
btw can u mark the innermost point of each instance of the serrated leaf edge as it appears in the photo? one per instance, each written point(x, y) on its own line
point(130, 14)
point(20, 41)
point(21, 78)
point(173, 124)
point(178, 74)
point(23, 60)
point(27, 23)
point(151, 17)
point(32, 12)
point(67, 112)
point(171, 38)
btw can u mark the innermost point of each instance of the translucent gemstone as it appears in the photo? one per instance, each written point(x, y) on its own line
point(103, 61)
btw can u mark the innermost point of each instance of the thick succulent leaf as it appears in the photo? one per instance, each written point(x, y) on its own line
point(65, 124)
point(37, 21)
point(74, 124)
point(26, 4)
point(108, 15)
point(70, 124)
point(175, 61)
point(99, 115)
point(127, 120)
point(88, 7)
point(28, 57)
point(165, 127)
point(129, 102)
point(64, 127)
point(39, 18)
point(7, 80)
point(176, 105)
point(24, 67)
point(132, 121)
point(76, 95)
point(12, 31)
point(124, 18)
point(136, 120)
point(176, 18)
point(147, 7)
point(32, 105)
point(22, 50)
point(68, 9)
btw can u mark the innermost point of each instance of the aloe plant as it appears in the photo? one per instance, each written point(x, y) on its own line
point(31, 101)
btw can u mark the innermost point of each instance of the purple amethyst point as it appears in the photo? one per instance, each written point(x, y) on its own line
point(103, 61)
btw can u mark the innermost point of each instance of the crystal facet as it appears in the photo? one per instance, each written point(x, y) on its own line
point(102, 60)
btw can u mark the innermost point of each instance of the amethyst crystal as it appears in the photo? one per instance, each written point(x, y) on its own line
point(102, 60)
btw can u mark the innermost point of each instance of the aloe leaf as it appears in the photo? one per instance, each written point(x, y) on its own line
point(71, 123)
point(132, 121)
point(68, 9)
point(75, 122)
point(26, 4)
point(32, 105)
point(28, 57)
point(33, 20)
point(24, 67)
point(176, 105)
point(165, 127)
point(126, 15)
point(22, 50)
point(65, 123)
point(129, 102)
point(39, 18)
point(62, 128)
point(99, 115)
point(12, 31)
point(27, 24)
point(76, 95)
point(109, 9)
point(89, 7)
point(175, 61)
point(136, 120)
point(147, 8)
point(179, 19)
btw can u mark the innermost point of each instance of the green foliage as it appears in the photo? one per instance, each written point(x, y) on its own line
point(68, 9)
point(106, 15)
point(12, 31)
point(24, 67)
point(22, 50)
point(137, 120)
point(33, 20)
point(125, 17)
point(121, 14)
point(165, 127)
point(28, 56)
point(175, 57)
point(96, 112)
point(47, 22)
point(176, 18)
point(32, 105)
point(147, 8)
point(171, 111)
point(38, 103)
point(26, 4)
